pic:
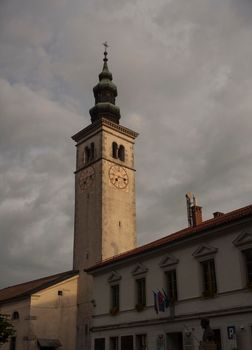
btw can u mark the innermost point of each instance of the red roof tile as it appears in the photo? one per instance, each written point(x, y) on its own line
point(23, 290)
point(179, 235)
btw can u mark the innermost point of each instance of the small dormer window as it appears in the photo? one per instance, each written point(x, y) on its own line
point(15, 315)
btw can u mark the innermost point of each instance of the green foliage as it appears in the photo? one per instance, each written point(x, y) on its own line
point(6, 329)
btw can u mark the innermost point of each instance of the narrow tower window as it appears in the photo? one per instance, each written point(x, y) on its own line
point(87, 154)
point(114, 150)
point(92, 150)
point(121, 153)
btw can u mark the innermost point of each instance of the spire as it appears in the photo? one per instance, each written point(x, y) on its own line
point(105, 93)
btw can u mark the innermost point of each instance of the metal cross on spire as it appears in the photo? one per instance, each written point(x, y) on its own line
point(105, 44)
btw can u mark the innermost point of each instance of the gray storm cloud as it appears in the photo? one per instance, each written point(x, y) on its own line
point(184, 77)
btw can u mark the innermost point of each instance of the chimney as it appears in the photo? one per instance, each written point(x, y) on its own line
point(216, 214)
point(196, 215)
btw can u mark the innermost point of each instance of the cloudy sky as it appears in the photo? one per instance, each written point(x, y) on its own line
point(184, 76)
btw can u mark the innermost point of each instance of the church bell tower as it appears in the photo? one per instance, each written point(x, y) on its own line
point(105, 211)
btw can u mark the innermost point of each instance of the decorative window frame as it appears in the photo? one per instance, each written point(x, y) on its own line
point(168, 262)
point(113, 280)
point(244, 242)
point(140, 272)
point(204, 253)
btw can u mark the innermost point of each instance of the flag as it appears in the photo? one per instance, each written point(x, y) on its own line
point(161, 304)
point(166, 301)
point(155, 301)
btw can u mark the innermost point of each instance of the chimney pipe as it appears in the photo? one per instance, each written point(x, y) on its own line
point(196, 215)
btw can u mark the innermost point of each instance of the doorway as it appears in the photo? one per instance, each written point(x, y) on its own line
point(217, 338)
point(174, 341)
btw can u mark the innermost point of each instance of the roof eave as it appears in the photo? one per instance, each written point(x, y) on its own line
point(150, 250)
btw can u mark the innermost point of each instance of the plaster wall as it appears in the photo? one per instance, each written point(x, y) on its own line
point(53, 315)
point(45, 315)
point(21, 325)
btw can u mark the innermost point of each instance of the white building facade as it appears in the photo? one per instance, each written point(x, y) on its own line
point(205, 271)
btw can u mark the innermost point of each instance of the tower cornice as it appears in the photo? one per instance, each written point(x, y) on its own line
point(99, 124)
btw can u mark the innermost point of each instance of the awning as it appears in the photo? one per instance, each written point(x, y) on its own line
point(49, 343)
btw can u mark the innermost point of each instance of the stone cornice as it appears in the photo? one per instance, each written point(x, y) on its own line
point(178, 318)
point(98, 125)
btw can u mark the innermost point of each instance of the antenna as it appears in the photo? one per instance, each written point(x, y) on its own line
point(189, 208)
point(194, 201)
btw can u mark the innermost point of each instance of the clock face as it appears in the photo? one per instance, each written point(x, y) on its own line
point(86, 178)
point(118, 176)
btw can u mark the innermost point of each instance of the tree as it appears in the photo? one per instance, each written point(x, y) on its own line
point(6, 329)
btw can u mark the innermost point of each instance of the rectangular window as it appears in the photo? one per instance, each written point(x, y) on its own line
point(141, 342)
point(248, 262)
point(171, 285)
point(99, 344)
point(13, 343)
point(115, 297)
point(209, 278)
point(114, 343)
point(127, 342)
point(140, 291)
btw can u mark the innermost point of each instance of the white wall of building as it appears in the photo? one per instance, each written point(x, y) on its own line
point(229, 307)
point(46, 315)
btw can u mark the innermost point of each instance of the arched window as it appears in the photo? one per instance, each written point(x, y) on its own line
point(92, 150)
point(121, 153)
point(87, 154)
point(114, 150)
point(15, 315)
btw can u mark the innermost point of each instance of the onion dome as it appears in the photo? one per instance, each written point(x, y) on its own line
point(105, 93)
